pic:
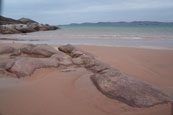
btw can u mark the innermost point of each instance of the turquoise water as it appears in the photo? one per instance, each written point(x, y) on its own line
point(155, 36)
point(122, 32)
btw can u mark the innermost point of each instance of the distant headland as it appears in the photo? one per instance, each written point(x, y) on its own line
point(120, 23)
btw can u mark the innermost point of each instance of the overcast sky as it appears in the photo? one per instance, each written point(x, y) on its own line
point(78, 11)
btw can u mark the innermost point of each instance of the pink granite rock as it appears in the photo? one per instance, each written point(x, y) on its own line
point(42, 50)
point(25, 66)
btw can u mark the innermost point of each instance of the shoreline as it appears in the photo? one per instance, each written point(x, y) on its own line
point(98, 38)
point(27, 41)
point(121, 46)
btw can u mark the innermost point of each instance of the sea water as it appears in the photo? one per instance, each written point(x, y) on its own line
point(149, 36)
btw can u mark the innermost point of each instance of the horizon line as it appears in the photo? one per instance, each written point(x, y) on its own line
point(114, 22)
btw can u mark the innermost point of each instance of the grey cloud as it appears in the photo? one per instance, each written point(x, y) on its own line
point(68, 11)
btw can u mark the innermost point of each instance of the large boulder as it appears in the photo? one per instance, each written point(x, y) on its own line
point(25, 66)
point(42, 50)
point(6, 49)
point(132, 91)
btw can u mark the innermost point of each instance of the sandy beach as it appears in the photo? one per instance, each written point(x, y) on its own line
point(51, 91)
point(86, 57)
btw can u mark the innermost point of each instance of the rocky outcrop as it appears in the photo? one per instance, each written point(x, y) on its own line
point(26, 59)
point(25, 28)
point(23, 25)
point(115, 84)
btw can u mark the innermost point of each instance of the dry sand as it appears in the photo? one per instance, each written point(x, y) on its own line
point(52, 92)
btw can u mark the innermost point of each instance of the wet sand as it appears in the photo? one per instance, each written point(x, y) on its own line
point(50, 91)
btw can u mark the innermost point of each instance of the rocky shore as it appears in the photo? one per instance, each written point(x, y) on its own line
point(25, 28)
point(23, 25)
point(24, 60)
